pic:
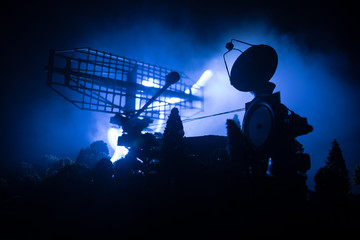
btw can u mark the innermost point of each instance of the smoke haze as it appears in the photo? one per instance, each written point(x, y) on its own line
point(316, 81)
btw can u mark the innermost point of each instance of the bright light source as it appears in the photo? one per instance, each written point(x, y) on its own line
point(113, 135)
point(204, 78)
point(201, 82)
point(120, 151)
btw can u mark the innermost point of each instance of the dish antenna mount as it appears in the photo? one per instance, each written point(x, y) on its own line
point(269, 127)
point(135, 92)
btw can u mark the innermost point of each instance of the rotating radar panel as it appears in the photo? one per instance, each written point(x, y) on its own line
point(254, 68)
point(104, 82)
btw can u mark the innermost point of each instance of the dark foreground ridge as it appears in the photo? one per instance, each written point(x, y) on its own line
point(176, 188)
point(212, 201)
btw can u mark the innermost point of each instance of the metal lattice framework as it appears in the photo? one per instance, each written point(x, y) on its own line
point(104, 82)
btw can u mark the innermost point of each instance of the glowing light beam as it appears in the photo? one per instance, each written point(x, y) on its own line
point(201, 82)
point(120, 151)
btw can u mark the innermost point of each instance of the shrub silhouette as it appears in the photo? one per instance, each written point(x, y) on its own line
point(103, 171)
point(92, 154)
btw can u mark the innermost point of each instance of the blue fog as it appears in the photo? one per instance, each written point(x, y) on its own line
point(312, 83)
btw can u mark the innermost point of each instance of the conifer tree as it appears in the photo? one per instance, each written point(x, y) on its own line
point(332, 181)
point(172, 149)
point(336, 160)
point(174, 131)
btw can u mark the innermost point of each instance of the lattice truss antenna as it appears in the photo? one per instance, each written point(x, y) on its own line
point(104, 82)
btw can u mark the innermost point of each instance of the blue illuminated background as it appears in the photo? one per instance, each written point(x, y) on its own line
point(316, 75)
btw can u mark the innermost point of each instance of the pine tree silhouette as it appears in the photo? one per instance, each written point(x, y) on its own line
point(332, 181)
point(172, 149)
point(174, 130)
point(336, 160)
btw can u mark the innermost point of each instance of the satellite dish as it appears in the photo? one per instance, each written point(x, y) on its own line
point(254, 68)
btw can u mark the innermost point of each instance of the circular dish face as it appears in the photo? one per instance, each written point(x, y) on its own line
point(254, 68)
point(259, 125)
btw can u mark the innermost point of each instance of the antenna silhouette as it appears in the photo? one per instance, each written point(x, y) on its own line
point(103, 82)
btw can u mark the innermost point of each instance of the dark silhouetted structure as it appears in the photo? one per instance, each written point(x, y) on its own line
point(105, 82)
point(239, 150)
point(269, 127)
point(136, 92)
point(249, 184)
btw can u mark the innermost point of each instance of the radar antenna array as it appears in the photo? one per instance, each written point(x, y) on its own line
point(99, 81)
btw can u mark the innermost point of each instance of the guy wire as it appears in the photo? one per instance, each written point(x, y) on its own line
point(203, 117)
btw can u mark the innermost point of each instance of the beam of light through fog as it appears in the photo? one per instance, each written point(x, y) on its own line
point(200, 83)
point(119, 151)
point(113, 133)
point(311, 83)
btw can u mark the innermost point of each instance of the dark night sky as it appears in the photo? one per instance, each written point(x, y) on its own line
point(181, 35)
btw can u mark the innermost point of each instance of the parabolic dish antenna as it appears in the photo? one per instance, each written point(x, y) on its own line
point(254, 68)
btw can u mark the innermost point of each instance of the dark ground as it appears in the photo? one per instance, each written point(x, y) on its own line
point(211, 202)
